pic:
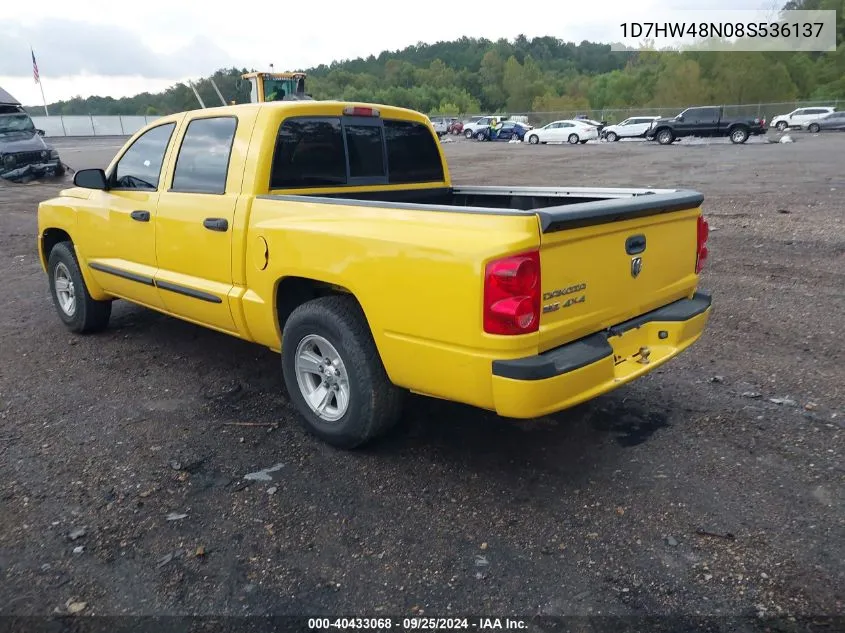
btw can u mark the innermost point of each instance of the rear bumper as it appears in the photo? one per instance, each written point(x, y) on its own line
point(586, 368)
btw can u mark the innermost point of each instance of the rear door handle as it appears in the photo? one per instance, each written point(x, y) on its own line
point(216, 224)
point(140, 216)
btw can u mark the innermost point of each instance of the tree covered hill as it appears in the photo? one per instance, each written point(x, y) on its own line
point(543, 74)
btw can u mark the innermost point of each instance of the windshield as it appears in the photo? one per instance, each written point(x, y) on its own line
point(277, 89)
point(16, 123)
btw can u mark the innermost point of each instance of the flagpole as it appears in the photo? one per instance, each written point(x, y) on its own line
point(37, 76)
point(46, 113)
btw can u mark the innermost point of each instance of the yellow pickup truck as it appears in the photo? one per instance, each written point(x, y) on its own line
point(332, 233)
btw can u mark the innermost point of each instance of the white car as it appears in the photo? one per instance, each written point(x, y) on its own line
point(632, 127)
point(800, 117)
point(474, 127)
point(441, 124)
point(565, 131)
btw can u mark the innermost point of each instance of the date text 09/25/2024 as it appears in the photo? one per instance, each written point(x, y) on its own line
point(417, 623)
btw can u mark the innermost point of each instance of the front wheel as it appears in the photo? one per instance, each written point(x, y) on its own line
point(334, 375)
point(739, 135)
point(612, 137)
point(582, 141)
point(479, 136)
point(468, 134)
point(814, 128)
point(665, 137)
point(534, 139)
point(781, 126)
point(77, 310)
point(573, 139)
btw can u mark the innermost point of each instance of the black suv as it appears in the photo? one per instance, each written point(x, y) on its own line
point(705, 121)
point(23, 153)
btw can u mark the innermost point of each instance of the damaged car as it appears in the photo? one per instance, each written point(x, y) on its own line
point(24, 155)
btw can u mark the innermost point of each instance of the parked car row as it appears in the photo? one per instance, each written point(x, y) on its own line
point(705, 121)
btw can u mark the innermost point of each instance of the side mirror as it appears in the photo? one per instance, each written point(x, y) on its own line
point(680, 117)
point(40, 132)
point(91, 179)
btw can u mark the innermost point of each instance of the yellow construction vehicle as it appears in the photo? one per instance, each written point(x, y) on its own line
point(276, 86)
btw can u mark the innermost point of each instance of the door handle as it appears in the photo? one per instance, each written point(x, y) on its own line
point(140, 216)
point(216, 224)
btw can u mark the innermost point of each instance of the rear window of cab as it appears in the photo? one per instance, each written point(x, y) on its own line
point(339, 151)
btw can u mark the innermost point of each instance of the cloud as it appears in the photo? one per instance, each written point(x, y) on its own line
point(66, 48)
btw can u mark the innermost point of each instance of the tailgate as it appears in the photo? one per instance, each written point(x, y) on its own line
point(606, 262)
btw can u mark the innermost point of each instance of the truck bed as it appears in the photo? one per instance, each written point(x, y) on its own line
point(557, 208)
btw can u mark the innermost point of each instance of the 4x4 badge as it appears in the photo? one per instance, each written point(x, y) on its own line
point(636, 266)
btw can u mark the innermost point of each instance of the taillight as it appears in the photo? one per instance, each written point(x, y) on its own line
point(360, 111)
point(701, 243)
point(512, 294)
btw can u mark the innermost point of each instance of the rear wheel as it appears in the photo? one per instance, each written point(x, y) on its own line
point(573, 139)
point(334, 374)
point(739, 135)
point(612, 137)
point(533, 139)
point(77, 310)
point(814, 127)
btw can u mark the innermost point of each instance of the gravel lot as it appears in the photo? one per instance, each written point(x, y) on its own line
point(713, 486)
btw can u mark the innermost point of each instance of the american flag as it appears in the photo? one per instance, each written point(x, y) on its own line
point(34, 67)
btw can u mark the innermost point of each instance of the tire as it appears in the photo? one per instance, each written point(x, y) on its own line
point(582, 142)
point(534, 139)
point(468, 134)
point(612, 137)
point(77, 310)
point(781, 126)
point(479, 136)
point(814, 128)
point(573, 139)
point(739, 135)
point(337, 328)
point(665, 136)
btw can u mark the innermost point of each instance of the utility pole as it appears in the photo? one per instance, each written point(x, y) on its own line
point(217, 90)
point(196, 94)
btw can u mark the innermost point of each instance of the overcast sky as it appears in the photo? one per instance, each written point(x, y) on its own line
point(112, 48)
